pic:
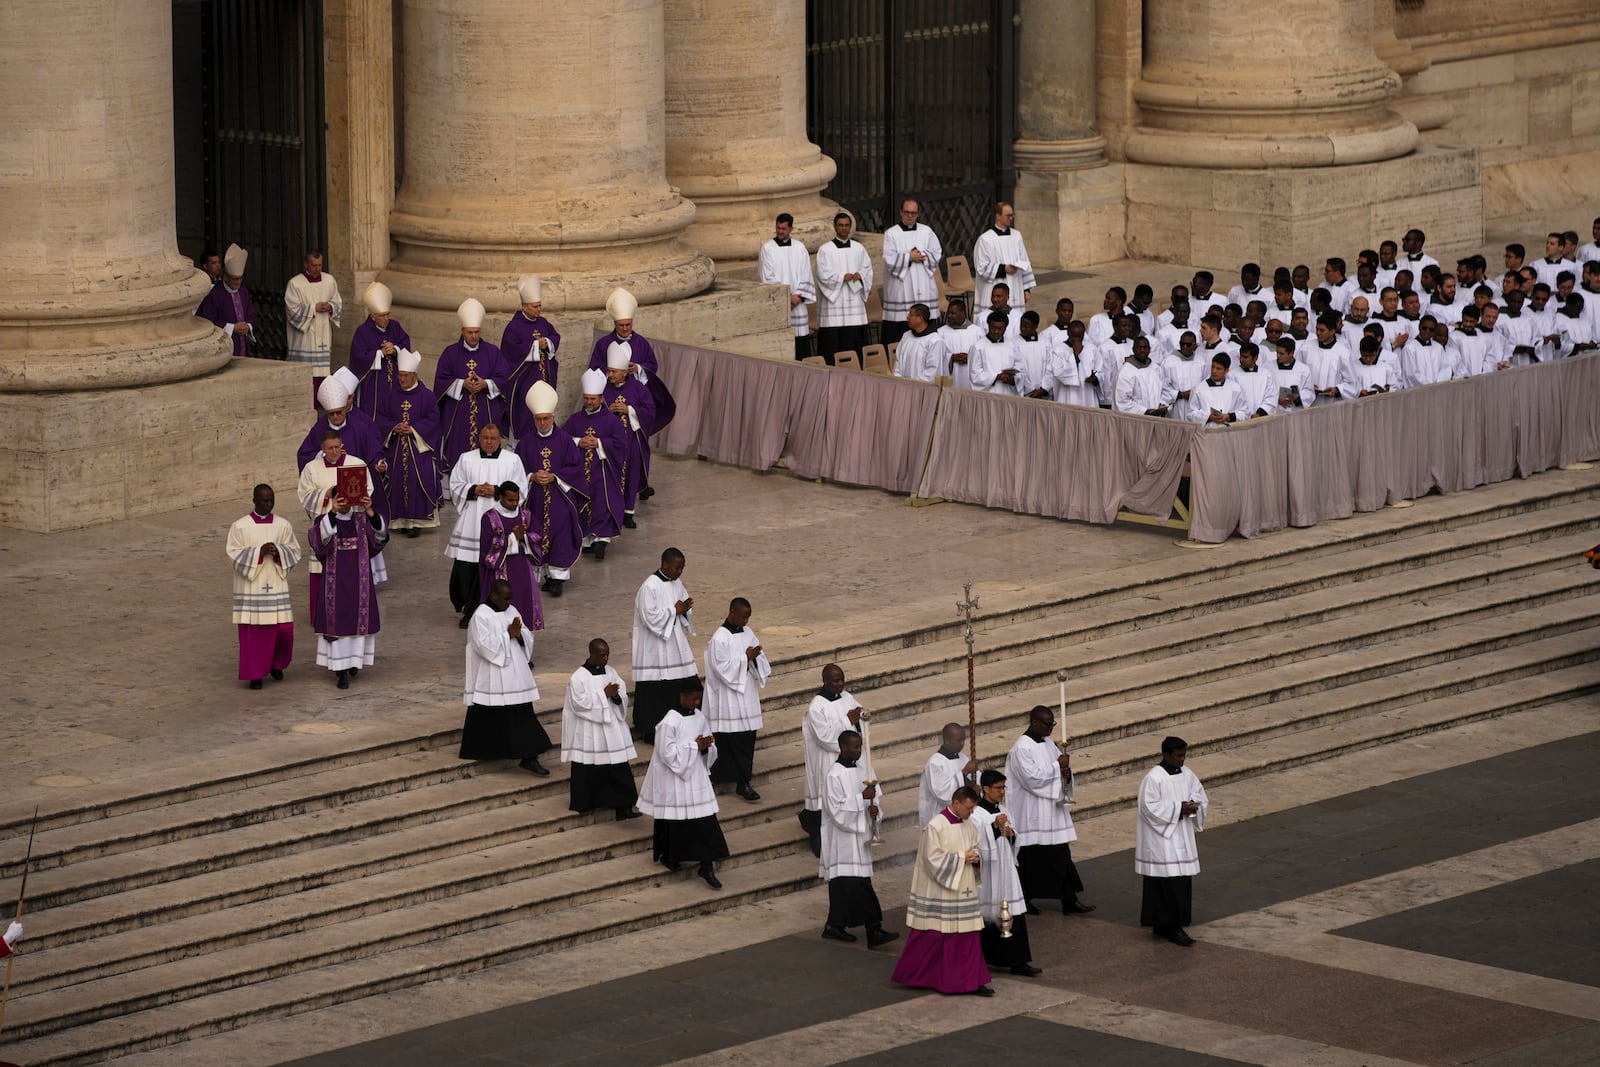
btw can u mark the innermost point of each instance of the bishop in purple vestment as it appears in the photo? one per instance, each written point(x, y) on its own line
point(605, 443)
point(344, 612)
point(408, 426)
point(229, 303)
point(551, 458)
point(621, 306)
point(630, 401)
point(374, 351)
point(508, 550)
point(470, 384)
point(528, 350)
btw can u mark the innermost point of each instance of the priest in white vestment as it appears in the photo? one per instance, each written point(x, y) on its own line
point(831, 712)
point(947, 770)
point(851, 813)
point(944, 951)
point(595, 739)
point(736, 670)
point(959, 336)
point(844, 278)
point(263, 548)
point(911, 254)
point(663, 619)
point(500, 690)
point(1000, 255)
point(1001, 882)
point(312, 307)
point(1219, 400)
point(677, 791)
point(1172, 809)
point(1039, 775)
point(319, 480)
point(921, 355)
point(783, 260)
point(476, 475)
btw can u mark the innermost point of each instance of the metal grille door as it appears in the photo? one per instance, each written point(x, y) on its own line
point(916, 98)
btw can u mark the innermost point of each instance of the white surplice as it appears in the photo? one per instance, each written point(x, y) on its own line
point(593, 729)
point(838, 302)
point(1038, 807)
point(1001, 879)
point(825, 721)
point(261, 586)
point(906, 281)
point(991, 253)
point(498, 674)
point(790, 265)
point(316, 491)
point(678, 783)
point(921, 357)
point(311, 331)
point(941, 777)
point(960, 342)
point(473, 469)
point(1164, 845)
point(846, 827)
point(660, 634)
point(734, 681)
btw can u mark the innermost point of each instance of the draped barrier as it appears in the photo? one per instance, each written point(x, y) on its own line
point(1042, 458)
point(1359, 455)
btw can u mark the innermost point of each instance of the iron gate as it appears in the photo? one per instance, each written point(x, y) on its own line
point(250, 139)
point(916, 98)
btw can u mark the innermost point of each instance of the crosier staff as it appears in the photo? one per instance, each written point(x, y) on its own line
point(966, 610)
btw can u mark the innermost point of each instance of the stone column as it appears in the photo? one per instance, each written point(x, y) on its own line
point(93, 291)
point(534, 143)
point(1229, 84)
point(736, 124)
point(1069, 203)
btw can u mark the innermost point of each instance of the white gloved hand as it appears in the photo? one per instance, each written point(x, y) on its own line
point(13, 932)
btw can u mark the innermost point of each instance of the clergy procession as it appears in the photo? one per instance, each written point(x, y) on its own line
point(522, 495)
point(1274, 343)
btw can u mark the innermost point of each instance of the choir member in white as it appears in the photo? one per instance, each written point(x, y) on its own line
point(947, 770)
point(851, 812)
point(1172, 808)
point(911, 254)
point(472, 484)
point(921, 355)
point(1142, 387)
point(736, 670)
point(500, 690)
point(783, 260)
point(1293, 386)
point(844, 278)
point(994, 362)
point(663, 619)
point(1219, 400)
point(831, 712)
point(944, 950)
point(677, 791)
point(1423, 361)
point(1370, 374)
point(1033, 358)
point(1258, 387)
point(1074, 368)
point(595, 739)
point(263, 548)
point(1001, 882)
point(312, 307)
point(959, 337)
point(1184, 373)
point(1001, 255)
point(1041, 776)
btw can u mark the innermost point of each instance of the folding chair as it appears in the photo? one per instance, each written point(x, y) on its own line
point(846, 361)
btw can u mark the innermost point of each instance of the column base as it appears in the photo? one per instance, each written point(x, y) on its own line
point(75, 459)
point(1073, 218)
point(1224, 217)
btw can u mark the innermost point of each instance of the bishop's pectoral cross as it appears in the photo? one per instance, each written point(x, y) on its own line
point(472, 402)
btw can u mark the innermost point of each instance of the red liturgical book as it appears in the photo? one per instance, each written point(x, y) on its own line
point(352, 483)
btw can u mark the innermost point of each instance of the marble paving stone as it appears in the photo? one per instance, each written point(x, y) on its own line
point(1026, 1040)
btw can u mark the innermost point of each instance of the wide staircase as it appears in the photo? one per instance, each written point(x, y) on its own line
point(204, 905)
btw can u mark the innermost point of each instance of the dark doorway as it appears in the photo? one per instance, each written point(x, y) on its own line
point(916, 98)
point(248, 124)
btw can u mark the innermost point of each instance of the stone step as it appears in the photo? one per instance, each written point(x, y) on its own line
point(1494, 525)
point(300, 988)
point(493, 793)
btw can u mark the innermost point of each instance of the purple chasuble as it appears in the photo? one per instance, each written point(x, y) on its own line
point(462, 419)
point(521, 569)
point(663, 407)
point(347, 603)
point(223, 306)
point(557, 514)
point(378, 379)
point(600, 478)
point(515, 344)
point(411, 481)
point(636, 472)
